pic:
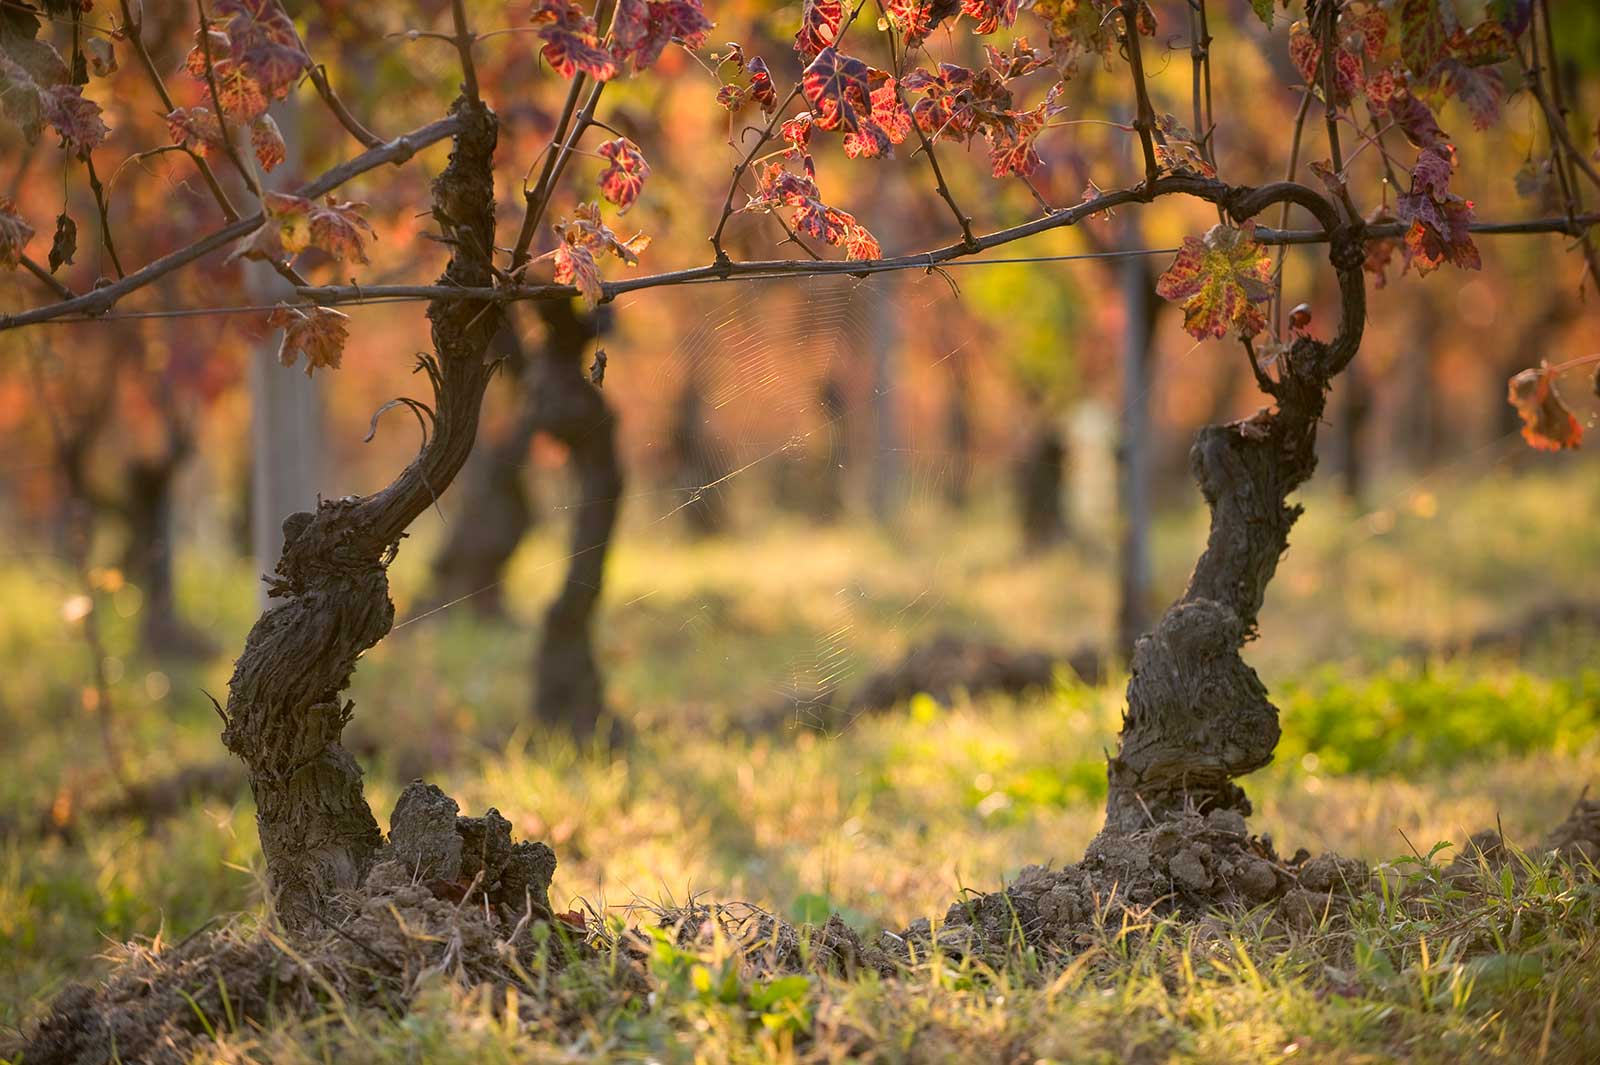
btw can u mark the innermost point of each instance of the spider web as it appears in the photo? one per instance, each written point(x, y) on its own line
point(803, 389)
point(806, 386)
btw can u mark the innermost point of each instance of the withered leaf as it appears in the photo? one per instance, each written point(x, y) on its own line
point(65, 244)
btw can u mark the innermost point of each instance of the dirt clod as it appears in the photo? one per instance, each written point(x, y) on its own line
point(449, 895)
point(1578, 837)
point(1191, 865)
point(422, 833)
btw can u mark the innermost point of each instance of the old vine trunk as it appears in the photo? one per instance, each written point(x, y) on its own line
point(286, 710)
point(1197, 714)
point(568, 691)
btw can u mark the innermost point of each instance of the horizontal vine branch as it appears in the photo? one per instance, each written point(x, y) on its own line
point(103, 299)
point(759, 269)
point(96, 303)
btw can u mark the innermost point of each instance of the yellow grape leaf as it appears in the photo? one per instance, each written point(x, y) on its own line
point(1220, 278)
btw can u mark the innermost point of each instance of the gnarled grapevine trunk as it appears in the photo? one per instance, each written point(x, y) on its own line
point(568, 692)
point(285, 710)
point(1197, 714)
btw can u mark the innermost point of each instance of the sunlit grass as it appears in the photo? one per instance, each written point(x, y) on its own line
point(886, 820)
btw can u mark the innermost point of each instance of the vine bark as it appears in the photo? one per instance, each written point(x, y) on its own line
point(286, 711)
point(1198, 716)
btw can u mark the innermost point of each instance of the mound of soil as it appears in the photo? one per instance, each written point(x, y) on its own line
point(1577, 839)
point(450, 895)
point(951, 663)
point(1517, 637)
point(1190, 865)
point(455, 896)
point(942, 667)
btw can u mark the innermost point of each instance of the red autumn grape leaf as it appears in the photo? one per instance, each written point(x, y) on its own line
point(990, 15)
point(1306, 53)
point(1020, 61)
point(1380, 87)
point(777, 187)
point(838, 88)
point(1547, 424)
point(623, 177)
point(1424, 36)
point(1178, 149)
point(267, 141)
point(891, 124)
point(819, 25)
point(196, 128)
point(338, 229)
point(15, 232)
point(1443, 238)
point(583, 238)
point(257, 57)
point(1220, 278)
point(75, 117)
point(859, 244)
point(1439, 219)
point(1416, 121)
point(263, 41)
point(760, 88)
point(220, 45)
point(575, 266)
point(587, 229)
point(1370, 28)
point(1480, 89)
point(642, 29)
point(630, 25)
point(947, 106)
point(242, 98)
point(762, 91)
point(572, 41)
point(836, 227)
point(918, 18)
point(1011, 134)
point(1431, 174)
point(318, 333)
point(1011, 147)
point(796, 132)
point(296, 223)
point(1483, 45)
